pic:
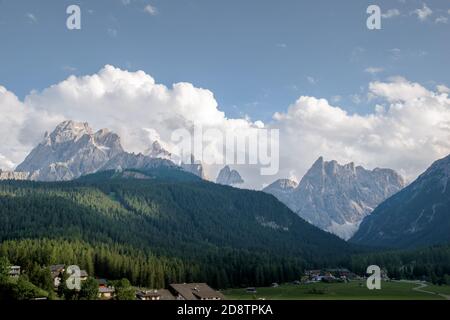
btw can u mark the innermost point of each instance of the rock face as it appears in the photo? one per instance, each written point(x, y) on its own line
point(70, 151)
point(419, 215)
point(11, 175)
point(157, 151)
point(127, 160)
point(336, 197)
point(73, 150)
point(229, 177)
point(282, 189)
point(194, 167)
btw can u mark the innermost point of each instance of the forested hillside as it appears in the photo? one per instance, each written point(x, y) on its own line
point(161, 226)
point(428, 263)
point(417, 216)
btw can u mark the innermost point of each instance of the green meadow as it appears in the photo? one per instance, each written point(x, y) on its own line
point(354, 290)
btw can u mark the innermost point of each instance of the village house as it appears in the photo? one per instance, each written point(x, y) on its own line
point(83, 275)
point(312, 273)
point(102, 283)
point(195, 291)
point(342, 273)
point(104, 291)
point(161, 294)
point(328, 275)
point(57, 268)
point(56, 271)
point(14, 271)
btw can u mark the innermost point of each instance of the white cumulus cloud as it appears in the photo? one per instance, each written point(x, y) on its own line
point(408, 129)
point(443, 88)
point(423, 13)
point(441, 19)
point(408, 134)
point(151, 10)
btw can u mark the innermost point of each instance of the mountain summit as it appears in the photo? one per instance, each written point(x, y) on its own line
point(337, 197)
point(157, 151)
point(282, 190)
point(71, 150)
point(229, 177)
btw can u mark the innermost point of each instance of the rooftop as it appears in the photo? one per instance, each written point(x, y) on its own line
point(196, 291)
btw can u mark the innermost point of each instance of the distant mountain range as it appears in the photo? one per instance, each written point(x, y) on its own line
point(90, 190)
point(419, 215)
point(335, 197)
point(73, 149)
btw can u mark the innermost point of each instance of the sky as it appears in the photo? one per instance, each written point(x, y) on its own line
point(311, 69)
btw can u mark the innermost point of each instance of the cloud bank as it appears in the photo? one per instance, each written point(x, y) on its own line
point(408, 129)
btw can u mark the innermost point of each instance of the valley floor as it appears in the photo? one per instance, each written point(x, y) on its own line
point(354, 290)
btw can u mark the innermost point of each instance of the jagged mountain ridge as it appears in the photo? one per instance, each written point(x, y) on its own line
point(73, 149)
point(127, 160)
point(157, 151)
point(337, 197)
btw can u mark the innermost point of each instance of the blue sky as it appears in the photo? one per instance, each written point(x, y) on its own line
point(256, 56)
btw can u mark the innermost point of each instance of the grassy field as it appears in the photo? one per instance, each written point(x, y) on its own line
point(355, 290)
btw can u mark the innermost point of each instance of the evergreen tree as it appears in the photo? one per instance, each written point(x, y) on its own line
point(124, 290)
point(89, 290)
point(4, 269)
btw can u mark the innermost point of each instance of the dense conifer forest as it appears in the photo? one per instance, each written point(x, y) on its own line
point(164, 226)
point(160, 227)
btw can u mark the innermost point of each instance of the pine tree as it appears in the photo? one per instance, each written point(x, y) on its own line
point(89, 290)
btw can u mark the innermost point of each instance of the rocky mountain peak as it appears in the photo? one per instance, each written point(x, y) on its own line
point(318, 165)
point(69, 131)
point(229, 177)
point(157, 151)
point(438, 169)
point(282, 185)
point(337, 197)
point(72, 149)
point(282, 189)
